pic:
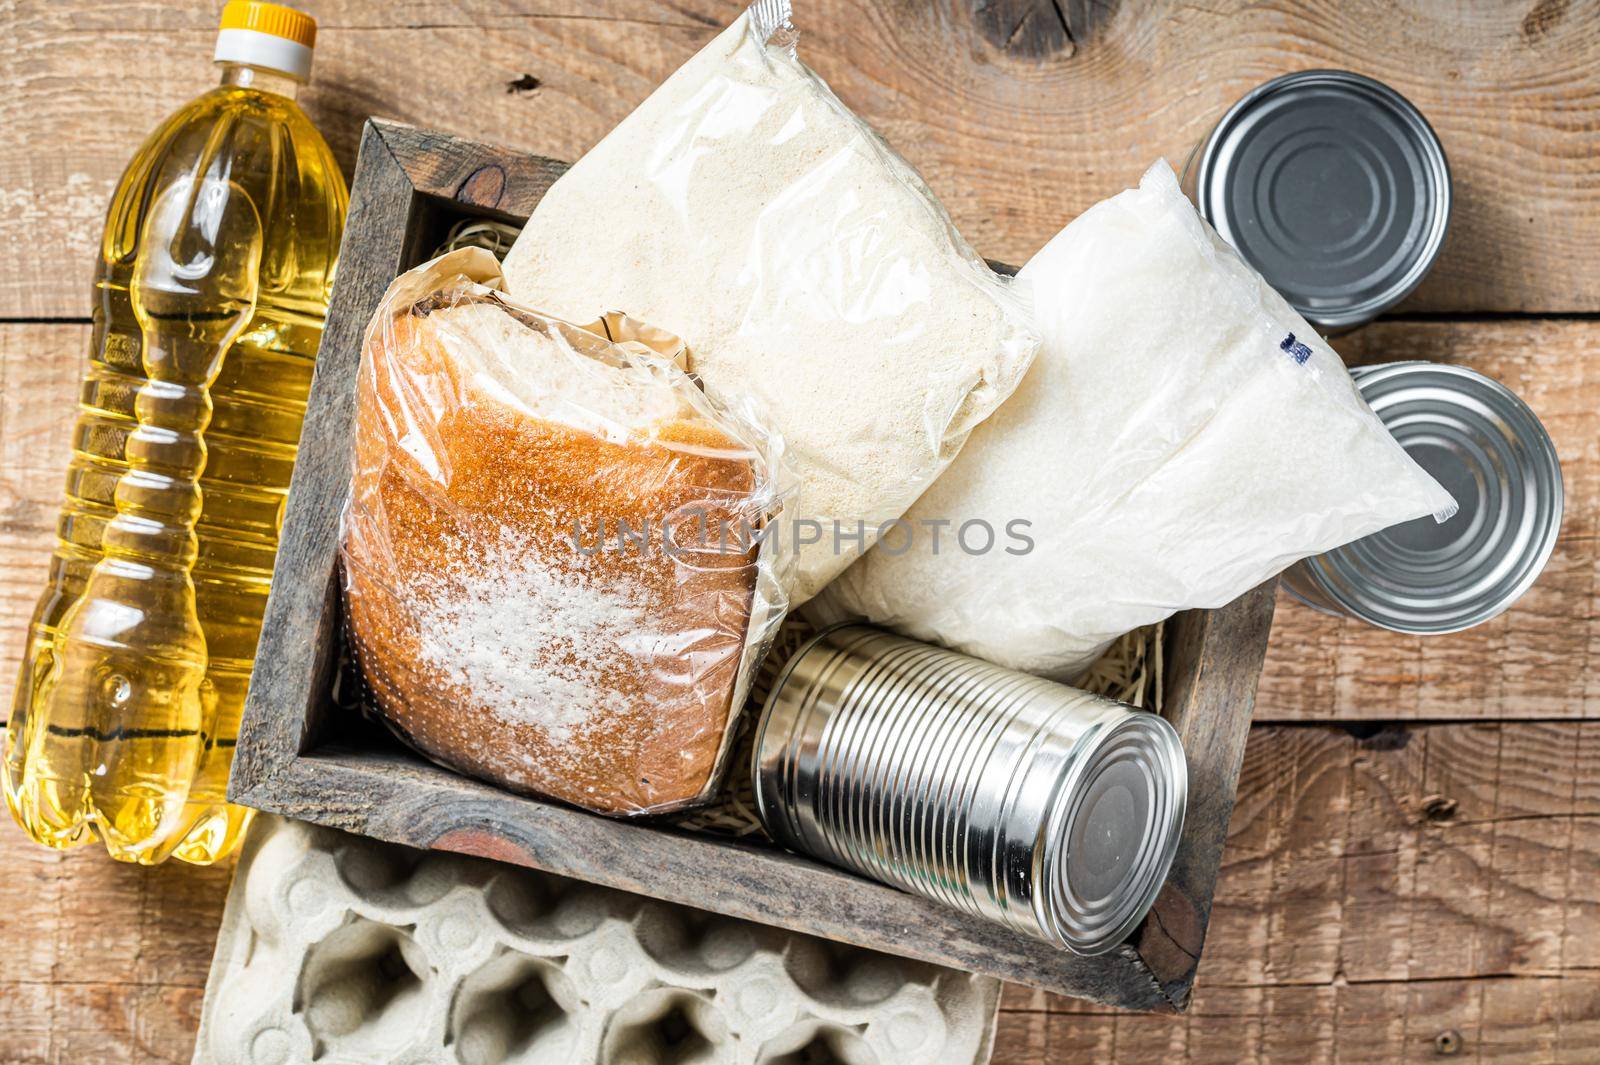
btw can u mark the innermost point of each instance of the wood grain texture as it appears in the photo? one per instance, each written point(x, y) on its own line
point(1496, 1020)
point(1480, 928)
point(1416, 853)
point(1020, 113)
point(1214, 660)
point(40, 366)
point(105, 962)
point(1375, 895)
point(1541, 659)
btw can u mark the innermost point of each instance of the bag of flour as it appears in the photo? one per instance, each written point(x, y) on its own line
point(1183, 436)
point(744, 208)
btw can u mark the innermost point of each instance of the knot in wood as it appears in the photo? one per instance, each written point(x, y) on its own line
point(484, 187)
point(1437, 808)
point(1447, 1042)
point(1038, 29)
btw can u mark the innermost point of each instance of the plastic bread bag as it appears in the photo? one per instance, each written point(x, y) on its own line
point(555, 573)
point(744, 207)
point(1183, 436)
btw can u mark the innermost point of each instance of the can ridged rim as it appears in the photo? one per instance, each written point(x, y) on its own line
point(1151, 742)
point(786, 830)
point(1348, 584)
point(1436, 174)
point(963, 782)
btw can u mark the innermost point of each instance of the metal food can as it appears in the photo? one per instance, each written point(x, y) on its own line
point(1480, 441)
point(1333, 186)
point(1049, 810)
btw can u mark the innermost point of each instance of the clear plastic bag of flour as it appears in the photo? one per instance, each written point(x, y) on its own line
point(557, 573)
point(745, 207)
point(1183, 436)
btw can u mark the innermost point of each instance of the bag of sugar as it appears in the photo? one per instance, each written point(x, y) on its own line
point(1183, 436)
point(746, 209)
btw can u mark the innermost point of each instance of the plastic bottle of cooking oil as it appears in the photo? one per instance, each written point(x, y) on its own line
point(212, 286)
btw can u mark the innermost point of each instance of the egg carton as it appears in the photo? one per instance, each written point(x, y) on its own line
point(341, 950)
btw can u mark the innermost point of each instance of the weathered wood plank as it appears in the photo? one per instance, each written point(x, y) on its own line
point(1541, 1020)
point(1019, 114)
point(1541, 659)
point(1380, 892)
point(1374, 895)
point(1419, 852)
point(40, 366)
point(1424, 878)
point(397, 798)
point(105, 962)
point(1216, 659)
point(290, 656)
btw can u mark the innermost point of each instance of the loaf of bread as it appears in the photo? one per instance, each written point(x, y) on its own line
point(523, 599)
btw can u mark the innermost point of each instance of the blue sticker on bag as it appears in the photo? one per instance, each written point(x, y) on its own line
point(1296, 350)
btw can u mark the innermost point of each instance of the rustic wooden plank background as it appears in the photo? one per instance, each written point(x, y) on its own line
point(1411, 871)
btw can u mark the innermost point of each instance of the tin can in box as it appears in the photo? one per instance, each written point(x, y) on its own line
point(1049, 810)
point(1333, 186)
point(1484, 444)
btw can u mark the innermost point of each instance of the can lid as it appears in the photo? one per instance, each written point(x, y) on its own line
point(266, 35)
point(1110, 842)
point(1334, 187)
point(1483, 443)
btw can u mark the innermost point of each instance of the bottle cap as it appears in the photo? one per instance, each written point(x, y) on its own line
point(1333, 186)
point(267, 35)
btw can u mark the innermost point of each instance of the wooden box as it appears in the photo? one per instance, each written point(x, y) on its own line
point(300, 756)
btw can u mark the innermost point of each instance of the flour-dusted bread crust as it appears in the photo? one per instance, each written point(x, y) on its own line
point(494, 638)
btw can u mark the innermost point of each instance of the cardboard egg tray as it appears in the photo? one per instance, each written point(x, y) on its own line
point(344, 950)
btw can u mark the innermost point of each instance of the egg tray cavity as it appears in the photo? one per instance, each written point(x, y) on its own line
point(344, 950)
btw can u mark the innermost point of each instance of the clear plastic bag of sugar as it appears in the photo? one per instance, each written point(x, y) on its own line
point(1183, 436)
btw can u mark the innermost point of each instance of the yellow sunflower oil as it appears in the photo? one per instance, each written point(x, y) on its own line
point(210, 294)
